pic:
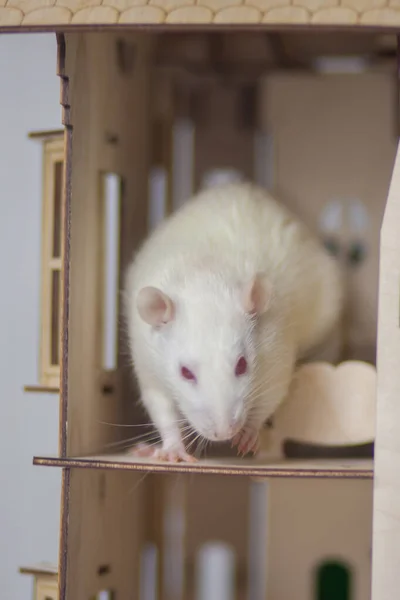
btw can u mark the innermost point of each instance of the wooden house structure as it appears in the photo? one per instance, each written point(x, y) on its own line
point(159, 98)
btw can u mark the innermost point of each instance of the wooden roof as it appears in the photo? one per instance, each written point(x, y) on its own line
point(53, 13)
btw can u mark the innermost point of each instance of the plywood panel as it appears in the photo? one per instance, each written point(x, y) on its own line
point(313, 522)
point(107, 93)
point(386, 532)
point(38, 13)
point(224, 139)
point(334, 138)
point(106, 530)
point(343, 468)
point(218, 511)
point(109, 135)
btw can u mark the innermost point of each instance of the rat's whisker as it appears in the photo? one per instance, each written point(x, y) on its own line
point(141, 479)
point(146, 437)
point(202, 446)
point(192, 442)
point(123, 424)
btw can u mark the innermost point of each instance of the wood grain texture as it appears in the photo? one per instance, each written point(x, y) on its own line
point(100, 522)
point(351, 469)
point(53, 152)
point(31, 13)
point(40, 569)
point(353, 112)
point(386, 520)
point(312, 522)
point(41, 389)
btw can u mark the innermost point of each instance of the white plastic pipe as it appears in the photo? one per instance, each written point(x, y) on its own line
point(157, 196)
point(112, 207)
point(215, 572)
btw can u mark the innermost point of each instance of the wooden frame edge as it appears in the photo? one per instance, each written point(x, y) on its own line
point(41, 389)
point(61, 29)
point(266, 472)
point(66, 234)
point(63, 542)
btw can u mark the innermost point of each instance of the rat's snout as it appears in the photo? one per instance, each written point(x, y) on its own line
point(226, 430)
point(222, 434)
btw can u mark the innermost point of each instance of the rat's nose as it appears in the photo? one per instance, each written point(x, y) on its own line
point(226, 432)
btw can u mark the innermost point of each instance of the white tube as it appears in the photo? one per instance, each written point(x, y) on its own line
point(215, 572)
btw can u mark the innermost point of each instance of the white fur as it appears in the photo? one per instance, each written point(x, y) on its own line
point(202, 257)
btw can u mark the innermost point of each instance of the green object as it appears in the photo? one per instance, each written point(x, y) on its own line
point(333, 581)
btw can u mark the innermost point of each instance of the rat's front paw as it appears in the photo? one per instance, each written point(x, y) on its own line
point(165, 454)
point(246, 440)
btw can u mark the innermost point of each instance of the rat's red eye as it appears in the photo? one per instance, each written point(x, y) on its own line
point(187, 374)
point(241, 366)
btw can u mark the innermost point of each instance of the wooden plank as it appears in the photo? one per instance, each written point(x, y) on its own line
point(332, 139)
point(345, 468)
point(45, 134)
point(221, 141)
point(53, 152)
point(313, 522)
point(41, 389)
point(31, 15)
point(108, 125)
point(386, 522)
point(217, 510)
point(105, 537)
point(40, 569)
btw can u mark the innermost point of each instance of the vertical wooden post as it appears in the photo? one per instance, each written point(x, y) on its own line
point(386, 519)
point(65, 255)
point(106, 109)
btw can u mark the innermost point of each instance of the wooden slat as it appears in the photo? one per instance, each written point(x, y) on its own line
point(221, 141)
point(386, 521)
point(311, 522)
point(332, 138)
point(46, 134)
point(253, 468)
point(101, 522)
point(40, 569)
point(41, 389)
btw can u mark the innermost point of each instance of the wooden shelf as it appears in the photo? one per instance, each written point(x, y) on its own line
point(34, 135)
point(345, 469)
point(41, 389)
point(46, 569)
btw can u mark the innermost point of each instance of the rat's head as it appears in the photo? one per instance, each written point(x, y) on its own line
point(206, 338)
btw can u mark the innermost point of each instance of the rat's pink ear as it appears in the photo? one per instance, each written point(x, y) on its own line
point(257, 294)
point(155, 307)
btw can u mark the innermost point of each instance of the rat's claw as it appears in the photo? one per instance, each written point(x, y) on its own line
point(246, 441)
point(164, 454)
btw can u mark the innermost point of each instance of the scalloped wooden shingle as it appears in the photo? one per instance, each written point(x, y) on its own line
point(190, 14)
point(239, 14)
point(267, 5)
point(142, 14)
point(287, 14)
point(216, 5)
point(11, 16)
point(49, 15)
point(315, 5)
point(185, 12)
point(336, 14)
point(384, 16)
point(97, 14)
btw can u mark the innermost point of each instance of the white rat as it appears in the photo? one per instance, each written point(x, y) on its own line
point(220, 301)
